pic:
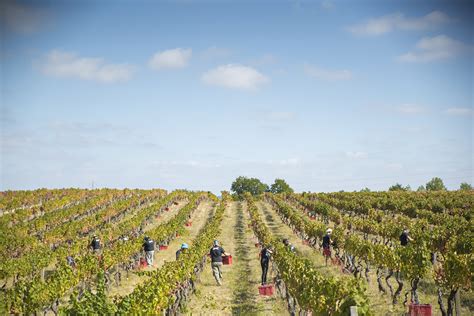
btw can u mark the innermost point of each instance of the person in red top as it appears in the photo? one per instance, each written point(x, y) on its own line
point(327, 242)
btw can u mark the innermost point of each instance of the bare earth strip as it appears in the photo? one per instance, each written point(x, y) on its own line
point(238, 294)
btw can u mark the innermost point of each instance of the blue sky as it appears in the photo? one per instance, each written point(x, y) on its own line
point(329, 95)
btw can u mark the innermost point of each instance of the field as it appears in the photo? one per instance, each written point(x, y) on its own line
point(368, 267)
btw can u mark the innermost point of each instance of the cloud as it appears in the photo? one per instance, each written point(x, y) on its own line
point(460, 111)
point(410, 108)
point(398, 21)
point(171, 59)
point(235, 76)
point(21, 18)
point(327, 74)
point(357, 154)
point(435, 48)
point(69, 65)
point(215, 52)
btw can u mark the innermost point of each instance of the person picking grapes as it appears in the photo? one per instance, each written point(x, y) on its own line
point(216, 254)
point(265, 256)
point(327, 242)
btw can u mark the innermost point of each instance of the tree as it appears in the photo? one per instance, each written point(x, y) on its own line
point(435, 184)
point(252, 185)
point(421, 188)
point(365, 190)
point(399, 187)
point(280, 186)
point(465, 186)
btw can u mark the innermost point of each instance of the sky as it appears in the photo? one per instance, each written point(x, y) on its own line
point(328, 95)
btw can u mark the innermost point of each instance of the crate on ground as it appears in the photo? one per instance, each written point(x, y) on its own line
point(189, 223)
point(227, 260)
point(266, 289)
point(167, 208)
point(419, 310)
point(163, 247)
point(142, 263)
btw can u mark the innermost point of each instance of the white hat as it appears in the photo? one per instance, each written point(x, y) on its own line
point(329, 230)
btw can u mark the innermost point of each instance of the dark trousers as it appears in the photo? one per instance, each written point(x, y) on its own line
point(264, 264)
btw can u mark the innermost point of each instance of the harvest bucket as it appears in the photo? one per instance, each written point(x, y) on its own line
point(143, 263)
point(167, 208)
point(419, 310)
point(266, 289)
point(188, 223)
point(227, 260)
point(163, 247)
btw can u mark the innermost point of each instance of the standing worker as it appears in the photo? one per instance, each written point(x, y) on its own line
point(288, 245)
point(149, 248)
point(184, 248)
point(265, 255)
point(216, 253)
point(95, 244)
point(405, 238)
point(327, 245)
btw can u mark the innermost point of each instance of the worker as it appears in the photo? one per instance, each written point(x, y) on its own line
point(216, 254)
point(183, 249)
point(149, 248)
point(95, 244)
point(405, 237)
point(288, 245)
point(327, 242)
point(265, 255)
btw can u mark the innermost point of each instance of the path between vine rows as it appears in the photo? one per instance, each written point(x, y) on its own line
point(239, 291)
point(199, 217)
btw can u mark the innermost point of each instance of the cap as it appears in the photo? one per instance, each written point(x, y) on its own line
point(329, 230)
point(216, 243)
point(184, 246)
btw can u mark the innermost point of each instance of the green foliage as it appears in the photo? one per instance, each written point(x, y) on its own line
point(399, 187)
point(421, 188)
point(465, 186)
point(251, 185)
point(435, 184)
point(365, 190)
point(280, 186)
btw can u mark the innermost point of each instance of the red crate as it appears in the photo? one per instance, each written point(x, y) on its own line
point(163, 247)
point(177, 235)
point(419, 310)
point(227, 260)
point(267, 289)
point(167, 208)
point(143, 263)
point(257, 244)
point(305, 242)
point(188, 223)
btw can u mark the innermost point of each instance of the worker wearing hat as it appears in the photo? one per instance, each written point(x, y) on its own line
point(327, 242)
point(183, 249)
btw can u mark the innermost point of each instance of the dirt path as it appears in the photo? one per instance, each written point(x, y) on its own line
point(199, 217)
point(380, 304)
point(238, 294)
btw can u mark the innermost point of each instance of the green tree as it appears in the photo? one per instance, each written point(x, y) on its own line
point(435, 184)
point(365, 190)
point(465, 186)
point(421, 188)
point(252, 185)
point(399, 187)
point(280, 186)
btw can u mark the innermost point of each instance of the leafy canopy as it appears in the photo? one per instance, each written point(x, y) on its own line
point(280, 186)
point(252, 185)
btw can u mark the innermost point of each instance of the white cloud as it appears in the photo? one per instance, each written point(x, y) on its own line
point(357, 154)
point(460, 111)
point(235, 76)
point(23, 18)
point(435, 48)
point(410, 108)
point(327, 74)
point(171, 58)
point(398, 21)
point(69, 65)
